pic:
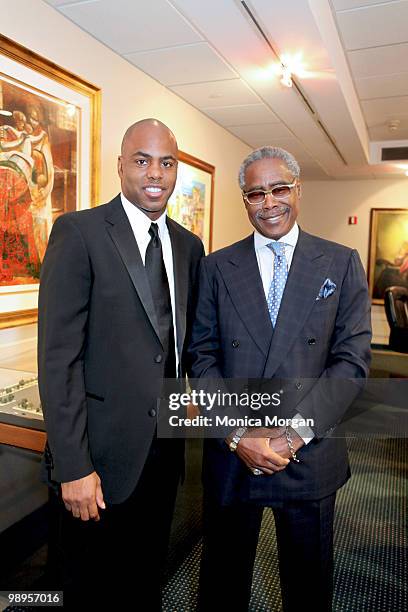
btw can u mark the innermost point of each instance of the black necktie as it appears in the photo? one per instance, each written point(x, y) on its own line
point(159, 285)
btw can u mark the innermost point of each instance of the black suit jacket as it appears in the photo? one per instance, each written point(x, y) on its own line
point(100, 359)
point(315, 342)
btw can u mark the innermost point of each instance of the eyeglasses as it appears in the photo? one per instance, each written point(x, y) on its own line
point(279, 192)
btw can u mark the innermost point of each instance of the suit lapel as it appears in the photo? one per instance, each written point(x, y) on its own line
point(307, 273)
point(241, 275)
point(119, 228)
point(180, 268)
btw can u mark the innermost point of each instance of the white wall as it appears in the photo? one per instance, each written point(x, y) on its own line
point(326, 206)
point(127, 96)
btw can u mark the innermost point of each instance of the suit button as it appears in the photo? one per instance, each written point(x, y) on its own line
point(235, 343)
point(158, 358)
point(298, 386)
point(281, 391)
point(152, 412)
point(311, 341)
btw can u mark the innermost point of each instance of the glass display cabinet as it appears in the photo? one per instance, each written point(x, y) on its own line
point(21, 418)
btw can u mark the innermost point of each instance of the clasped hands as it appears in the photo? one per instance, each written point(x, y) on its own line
point(267, 448)
point(262, 447)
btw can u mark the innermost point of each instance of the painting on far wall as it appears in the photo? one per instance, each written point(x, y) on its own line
point(49, 150)
point(192, 199)
point(388, 253)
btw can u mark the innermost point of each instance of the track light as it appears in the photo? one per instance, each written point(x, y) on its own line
point(286, 76)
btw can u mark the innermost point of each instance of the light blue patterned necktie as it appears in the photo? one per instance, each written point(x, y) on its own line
point(280, 274)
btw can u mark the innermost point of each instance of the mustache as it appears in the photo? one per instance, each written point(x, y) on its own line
point(276, 210)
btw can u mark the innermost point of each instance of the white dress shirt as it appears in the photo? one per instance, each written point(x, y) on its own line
point(140, 224)
point(266, 258)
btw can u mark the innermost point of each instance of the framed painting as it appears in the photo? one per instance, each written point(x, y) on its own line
point(388, 251)
point(49, 165)
point(191, 203)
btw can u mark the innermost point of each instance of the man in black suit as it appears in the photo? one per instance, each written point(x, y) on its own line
point(280, 305)
point(116, 300)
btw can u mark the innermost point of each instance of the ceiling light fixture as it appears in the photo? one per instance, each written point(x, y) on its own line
point(286, 76)
point(289, 65)
point(294, 63)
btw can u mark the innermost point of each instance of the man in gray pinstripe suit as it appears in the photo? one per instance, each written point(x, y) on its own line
point(279, 305)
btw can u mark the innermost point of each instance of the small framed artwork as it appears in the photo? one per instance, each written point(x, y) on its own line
point(388, 251)
point(49, 165)
point(191, 203)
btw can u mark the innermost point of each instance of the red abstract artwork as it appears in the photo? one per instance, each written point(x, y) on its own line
point(38, 176)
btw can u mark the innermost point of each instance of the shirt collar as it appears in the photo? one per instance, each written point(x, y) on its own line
point(139, 221)
point(291, 238)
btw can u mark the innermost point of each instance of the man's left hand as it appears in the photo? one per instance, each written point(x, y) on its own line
point(280, 444)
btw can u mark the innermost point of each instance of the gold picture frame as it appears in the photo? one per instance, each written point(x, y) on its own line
point(47, 104)
point(388, 251)
point(191, 203)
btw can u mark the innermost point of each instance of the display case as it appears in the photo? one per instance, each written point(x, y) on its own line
point(21, 418)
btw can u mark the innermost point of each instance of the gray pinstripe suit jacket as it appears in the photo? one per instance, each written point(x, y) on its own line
point(318, 340)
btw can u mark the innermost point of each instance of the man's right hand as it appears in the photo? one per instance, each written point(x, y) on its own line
point(257, 453)
point(82, 497)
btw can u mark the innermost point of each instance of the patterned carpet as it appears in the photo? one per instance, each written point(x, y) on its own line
point(370, 541)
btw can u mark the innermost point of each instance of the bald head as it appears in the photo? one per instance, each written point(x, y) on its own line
point(147, 166)
point(149, 125)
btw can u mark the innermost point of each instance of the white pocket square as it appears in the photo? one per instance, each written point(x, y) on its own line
point(327, 289)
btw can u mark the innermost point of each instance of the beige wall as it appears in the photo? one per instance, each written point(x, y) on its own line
point(128, 95)
point(326, 206)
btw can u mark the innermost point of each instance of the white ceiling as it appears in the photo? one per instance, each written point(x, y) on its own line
point(212, 54)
